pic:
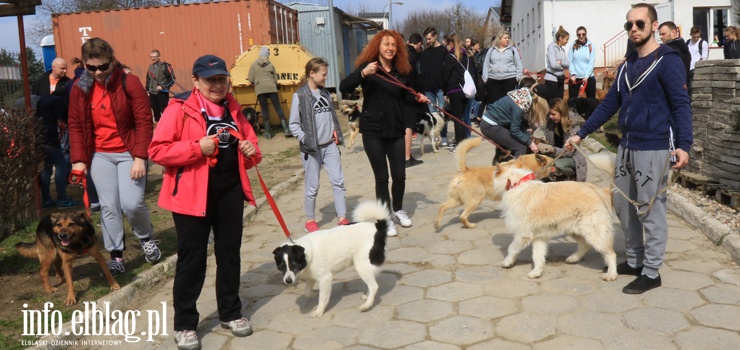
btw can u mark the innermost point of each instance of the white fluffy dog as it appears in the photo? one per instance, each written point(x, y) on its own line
point(535, 212)
point(317, 256)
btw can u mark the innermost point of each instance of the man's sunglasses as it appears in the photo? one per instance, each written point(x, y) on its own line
point(103, 67)
point(640, 25)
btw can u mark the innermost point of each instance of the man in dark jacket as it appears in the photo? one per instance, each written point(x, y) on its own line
point(159, 79)
point(669, 35)
point(53, 79)
point(655, 118)
point(431, 66)
point(415, 47)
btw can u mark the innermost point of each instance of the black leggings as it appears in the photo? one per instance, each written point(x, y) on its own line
point(224, 213)
point(495, 90)
point(457, 107)
point(590, 88)
point(555, 89)
point(377, 149)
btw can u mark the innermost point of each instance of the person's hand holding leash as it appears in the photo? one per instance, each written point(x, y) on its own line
point(370, 69)
point(79, 166)
point(573, 140)
point(421, 98)
point(683, 158)
point(533, 147)
point(247, 148)
point(207, 145)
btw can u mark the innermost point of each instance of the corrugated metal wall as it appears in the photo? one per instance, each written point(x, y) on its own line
point(317, 39)
point(182, 32)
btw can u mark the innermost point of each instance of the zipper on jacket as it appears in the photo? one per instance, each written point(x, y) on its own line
point(177, 180)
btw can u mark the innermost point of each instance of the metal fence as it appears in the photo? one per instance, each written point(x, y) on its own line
point(11, 83)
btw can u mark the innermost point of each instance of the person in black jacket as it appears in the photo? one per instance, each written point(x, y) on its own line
point(387, 110)
point(731, 44)
point(669, 35)
point(414, 46)
point(51, 80)
point(456, 63)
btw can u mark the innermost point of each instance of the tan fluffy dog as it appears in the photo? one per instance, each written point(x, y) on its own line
point(535, 212)
point(474, 184)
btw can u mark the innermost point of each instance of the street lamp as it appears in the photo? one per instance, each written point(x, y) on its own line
point(390, 11)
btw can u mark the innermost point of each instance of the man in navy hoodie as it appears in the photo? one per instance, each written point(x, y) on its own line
point(654, 116)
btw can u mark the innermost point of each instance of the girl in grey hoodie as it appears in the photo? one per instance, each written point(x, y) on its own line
point(557, 62)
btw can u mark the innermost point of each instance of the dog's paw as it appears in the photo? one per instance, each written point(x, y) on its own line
point(572, 259)
point(608, 277)
point(469, 224)
point(366, 306)
point(316, 314)
point(535, 274)
point(51, 290)
point(115, 286)
point(507, 263)
point(71, 300)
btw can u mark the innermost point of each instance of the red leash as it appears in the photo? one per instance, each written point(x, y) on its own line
point(77, 177)
point(392, 80)
point(212, 162)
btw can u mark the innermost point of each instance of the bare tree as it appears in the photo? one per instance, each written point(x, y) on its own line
point(457, 19)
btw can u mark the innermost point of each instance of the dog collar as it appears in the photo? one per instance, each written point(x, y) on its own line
point(524, 179)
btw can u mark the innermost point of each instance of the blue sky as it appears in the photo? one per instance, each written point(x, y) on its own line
point(9, 25)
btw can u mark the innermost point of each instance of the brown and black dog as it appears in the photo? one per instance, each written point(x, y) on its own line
point(60, 239)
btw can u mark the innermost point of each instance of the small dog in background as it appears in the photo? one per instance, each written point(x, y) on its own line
point(60, 239)
point(352, 110)
point(316, 257)
point(430, 125)
point(251, 115)
point(607, 81)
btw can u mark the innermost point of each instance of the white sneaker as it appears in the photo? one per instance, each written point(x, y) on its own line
point(403, 218)
point(391, 231)
point(187, 340)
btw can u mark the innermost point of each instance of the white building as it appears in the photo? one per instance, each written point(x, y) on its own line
point(534, 23)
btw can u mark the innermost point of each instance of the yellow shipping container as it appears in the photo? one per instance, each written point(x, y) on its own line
point(289, 61)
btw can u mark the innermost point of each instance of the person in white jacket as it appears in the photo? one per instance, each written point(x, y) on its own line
point(699, 50)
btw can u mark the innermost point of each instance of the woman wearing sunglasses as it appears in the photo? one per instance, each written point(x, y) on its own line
point(582, 60)
point(110, 128)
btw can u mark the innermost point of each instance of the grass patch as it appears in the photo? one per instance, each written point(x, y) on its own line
point(611, 126)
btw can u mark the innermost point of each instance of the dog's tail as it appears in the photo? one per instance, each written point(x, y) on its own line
point(462, 151)
point(27, 249)
point(375, 211)
point(604, 162)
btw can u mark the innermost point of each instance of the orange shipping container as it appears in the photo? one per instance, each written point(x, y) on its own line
point(181, 33)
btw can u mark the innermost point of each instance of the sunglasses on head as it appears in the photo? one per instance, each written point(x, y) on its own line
point(103, 67)
point(640, 25)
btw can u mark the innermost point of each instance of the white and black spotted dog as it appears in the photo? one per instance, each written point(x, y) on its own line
point(352, 110)
point(319, 255)
point(430, 125)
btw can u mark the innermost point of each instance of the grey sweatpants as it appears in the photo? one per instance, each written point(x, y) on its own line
point(111, 173)
point(641, 174)
point(330, 158)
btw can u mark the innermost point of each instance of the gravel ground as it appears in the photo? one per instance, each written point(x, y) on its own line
point(709, 205)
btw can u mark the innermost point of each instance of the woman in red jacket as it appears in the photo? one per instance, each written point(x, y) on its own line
point(110, 127)
point(197, 130)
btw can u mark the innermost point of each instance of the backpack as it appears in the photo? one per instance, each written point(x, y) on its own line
point(469, 88)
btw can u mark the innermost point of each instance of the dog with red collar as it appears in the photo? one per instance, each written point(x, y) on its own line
point(535, 212)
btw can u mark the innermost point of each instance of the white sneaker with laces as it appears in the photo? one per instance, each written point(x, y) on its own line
point(239, 328)
point(187, 340)
point(403, 218)
point(391, 231)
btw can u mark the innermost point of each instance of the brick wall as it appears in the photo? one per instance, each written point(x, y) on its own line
point(715, 103)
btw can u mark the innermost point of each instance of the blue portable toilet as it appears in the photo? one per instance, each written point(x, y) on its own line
point(48, 51)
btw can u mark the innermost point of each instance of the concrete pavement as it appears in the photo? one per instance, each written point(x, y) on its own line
point(446, 290)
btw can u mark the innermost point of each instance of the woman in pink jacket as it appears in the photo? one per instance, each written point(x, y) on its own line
point(205, 185)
